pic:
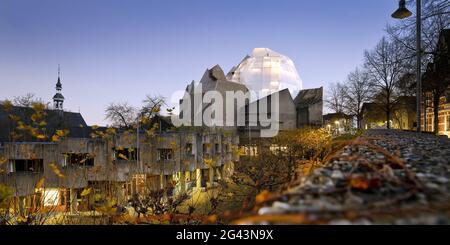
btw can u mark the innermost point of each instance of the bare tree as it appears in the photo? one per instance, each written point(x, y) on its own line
point(336, 97)
point(121, 114)
point(152, 105)
point(28, 100)
point(385, 67)
point(358, 90)
point(435, 18)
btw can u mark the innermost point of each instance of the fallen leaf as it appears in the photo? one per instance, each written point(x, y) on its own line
point(212, 218)
point(262, 197)
point(359, 184)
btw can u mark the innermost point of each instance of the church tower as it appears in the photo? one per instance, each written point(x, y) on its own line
point(58, 98)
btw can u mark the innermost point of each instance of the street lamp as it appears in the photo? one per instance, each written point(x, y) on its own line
point(401, 13)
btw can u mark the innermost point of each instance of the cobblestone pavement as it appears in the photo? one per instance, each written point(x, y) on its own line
point(383, 177)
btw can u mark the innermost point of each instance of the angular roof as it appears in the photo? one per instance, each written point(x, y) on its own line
point(370, 107)
point(234, 68)
point(55, 119)
point(308, 97)
point(58, 96)
point(214, 79)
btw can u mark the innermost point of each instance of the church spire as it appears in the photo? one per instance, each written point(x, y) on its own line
point(58, 98)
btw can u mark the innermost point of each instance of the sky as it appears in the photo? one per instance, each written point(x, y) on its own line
point(122, 50)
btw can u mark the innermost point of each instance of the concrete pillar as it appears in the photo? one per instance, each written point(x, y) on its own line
point(120, 194)
point(182, 182)
point(73, 201)
point(162, 181)
point(22, 206)
point(29, 204)
point(199, 178)
point(211, 176)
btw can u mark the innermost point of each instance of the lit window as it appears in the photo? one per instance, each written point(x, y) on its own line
point(276, 149)
point(448, 123)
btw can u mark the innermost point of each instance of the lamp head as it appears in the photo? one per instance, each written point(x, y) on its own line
point(402, 12)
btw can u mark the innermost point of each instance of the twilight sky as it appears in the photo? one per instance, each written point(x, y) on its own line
point(121, 50)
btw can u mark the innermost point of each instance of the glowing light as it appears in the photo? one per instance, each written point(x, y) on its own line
point(51, 197)
point(266, 70)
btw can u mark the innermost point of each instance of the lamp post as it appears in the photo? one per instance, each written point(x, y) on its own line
point(401, 13)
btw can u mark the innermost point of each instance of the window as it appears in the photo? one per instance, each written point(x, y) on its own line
point(276, 149)
point(189, 149)
point(125, 154)
point(227, 148)
point(78, 159)
point(217, 148)
point(249, 151)
point(28, 165)
point(448, 123)
point(165, 154)
point(205, 149)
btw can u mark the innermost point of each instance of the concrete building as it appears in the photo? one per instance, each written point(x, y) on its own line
point(309, 105)
point(60, 148)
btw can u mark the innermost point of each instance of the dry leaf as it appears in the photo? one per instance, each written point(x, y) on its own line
point(262, 197)
point(3, 160)
point(86, 192)
point(122, 156)
point(40, 136)
point(56, 170)
point(40, 183)
point(55, 138)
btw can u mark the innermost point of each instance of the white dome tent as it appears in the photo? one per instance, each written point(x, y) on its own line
point(266, 72)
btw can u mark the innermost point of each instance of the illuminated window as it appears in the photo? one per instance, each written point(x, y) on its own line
point(251, 151)
point(276, 149)
point(448, 123)
point(51, 197)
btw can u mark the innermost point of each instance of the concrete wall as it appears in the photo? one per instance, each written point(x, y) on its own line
point(108, 169)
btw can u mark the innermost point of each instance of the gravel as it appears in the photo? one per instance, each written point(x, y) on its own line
point(383, 177)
